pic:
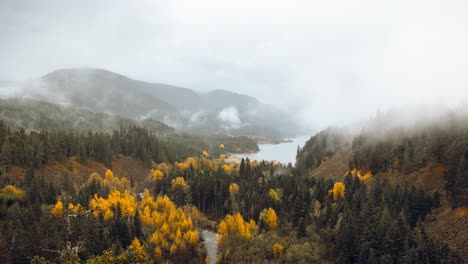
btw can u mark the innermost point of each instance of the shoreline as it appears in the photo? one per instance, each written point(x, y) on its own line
point(234, 157)
point(274, 142)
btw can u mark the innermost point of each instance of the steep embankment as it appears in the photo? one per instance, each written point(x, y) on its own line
point(336, 167)
point(450, 225)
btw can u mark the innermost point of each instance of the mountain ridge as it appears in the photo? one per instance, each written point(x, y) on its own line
point(219, 111)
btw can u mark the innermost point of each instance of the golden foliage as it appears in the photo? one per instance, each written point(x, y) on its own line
point(338, 190)
point(191, 161)
point(205, 154)
point(362, 176)
point(366, 176)
point(227, 167)
point(75, 208)
point(95, 176)
point(269, 217)
point(109, 175)
point(110, 180)
point(221, 146)
point(58, 209)
point(138, 251)
point(222, 158)
point(233, 189)
point(182, 165)
point(277, 250)
point(274, 195)
point(178, 182)
point(157, 175)
point(106, 207)
point(13, 192)
point(235, 226)
point(173, 229)
point(208, 164)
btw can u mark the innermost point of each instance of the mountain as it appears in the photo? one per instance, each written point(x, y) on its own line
point(104, 91)
point(219, 99)
point(216, 112)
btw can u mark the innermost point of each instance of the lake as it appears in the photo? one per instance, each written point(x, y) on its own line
point(284, 152)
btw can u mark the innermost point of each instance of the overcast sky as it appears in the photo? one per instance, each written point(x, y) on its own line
point(329, 61)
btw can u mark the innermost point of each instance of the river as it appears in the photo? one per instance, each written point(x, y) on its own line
point(211, 244)
point(284, 152)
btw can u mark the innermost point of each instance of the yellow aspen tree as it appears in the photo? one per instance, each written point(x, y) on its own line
point(366, 176)
point(233, 189)
point(58, 209)
point(109, 175)
point(157, 175)
point(178, 182)
point(277, 250)
point(191, 161)
point(274, 195)
point(233, 193)
point(139, 254)
point(182, 165)
point(13, 192)
point(338, 191)
point(269, 217)
point(95, 176)
point(235, 226)
point(227, 168)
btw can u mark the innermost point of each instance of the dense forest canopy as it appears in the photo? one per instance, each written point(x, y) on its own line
point(262, 211)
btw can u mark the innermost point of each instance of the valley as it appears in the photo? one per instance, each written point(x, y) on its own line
point(155, 194)
point(219, 132)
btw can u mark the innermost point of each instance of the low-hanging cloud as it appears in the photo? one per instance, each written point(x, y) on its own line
point(229, 117)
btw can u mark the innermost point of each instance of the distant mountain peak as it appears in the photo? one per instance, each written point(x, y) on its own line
point(82, 72)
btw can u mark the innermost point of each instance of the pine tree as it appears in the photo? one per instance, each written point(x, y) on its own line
point(460, 181)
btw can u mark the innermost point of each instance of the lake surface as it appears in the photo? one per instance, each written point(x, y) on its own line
point(284, 152)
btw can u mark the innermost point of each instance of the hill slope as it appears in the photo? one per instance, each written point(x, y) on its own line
point(36, 115)
point(430, 154)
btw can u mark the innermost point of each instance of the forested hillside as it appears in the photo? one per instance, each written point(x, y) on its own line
point(32, 114)
point(429, 153)
point(66, 198)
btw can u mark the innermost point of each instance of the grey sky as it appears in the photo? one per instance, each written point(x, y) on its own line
point(329, 61)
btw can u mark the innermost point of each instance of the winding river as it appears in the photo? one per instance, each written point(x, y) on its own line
point(210, 242)
point(284, 153)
